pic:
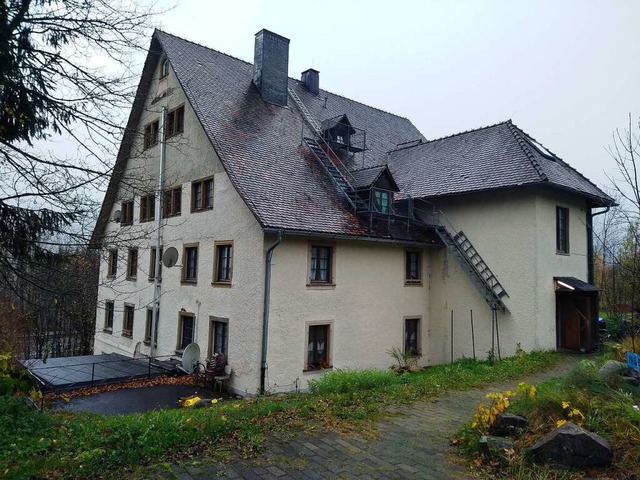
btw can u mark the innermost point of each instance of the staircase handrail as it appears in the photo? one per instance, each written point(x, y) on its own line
point(316, 129)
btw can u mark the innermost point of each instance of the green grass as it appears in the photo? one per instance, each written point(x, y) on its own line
point(65, 445)
point(607, 405)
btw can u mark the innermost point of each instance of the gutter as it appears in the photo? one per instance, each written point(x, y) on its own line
point(265, 318)
point(305, 233)
point(590, 256)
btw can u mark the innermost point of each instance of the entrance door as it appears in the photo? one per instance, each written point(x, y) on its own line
point(575, 321)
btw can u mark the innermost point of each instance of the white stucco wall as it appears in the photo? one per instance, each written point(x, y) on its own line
point(189, 157)
point(515, 233)
point(366, 307)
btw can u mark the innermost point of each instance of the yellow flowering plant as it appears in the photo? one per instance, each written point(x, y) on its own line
point(486, 415)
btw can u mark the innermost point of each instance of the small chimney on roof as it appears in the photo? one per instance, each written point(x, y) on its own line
point(311, 80)
point(271, 66)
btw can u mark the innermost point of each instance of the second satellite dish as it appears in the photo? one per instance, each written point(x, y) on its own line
point(190, 357)
point(170, 257)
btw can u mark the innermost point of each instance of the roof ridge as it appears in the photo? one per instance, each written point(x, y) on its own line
point(446, 137)
point(361, 103)
point(291, 78)
point(559, 159)
point(515, 131)
point(201, 45)
point(369, 168)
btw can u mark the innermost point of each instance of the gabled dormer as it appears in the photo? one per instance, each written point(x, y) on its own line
point(340, 134)
point(375, 187)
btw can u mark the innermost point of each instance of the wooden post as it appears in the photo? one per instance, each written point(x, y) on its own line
point(451, 336)
point(473, 336)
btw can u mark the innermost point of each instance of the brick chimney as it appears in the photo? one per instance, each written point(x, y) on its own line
point(271, 66)
point(311, 80)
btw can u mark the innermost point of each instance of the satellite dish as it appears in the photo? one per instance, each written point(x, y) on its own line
point(190, 357)
point(170, 257)
point(117, 215)
point(136, 351)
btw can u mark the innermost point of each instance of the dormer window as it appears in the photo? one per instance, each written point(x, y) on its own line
point(164, 68)
point(381, 200)
point(340, 134)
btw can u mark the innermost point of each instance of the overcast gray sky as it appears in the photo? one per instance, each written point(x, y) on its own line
point(566, 71)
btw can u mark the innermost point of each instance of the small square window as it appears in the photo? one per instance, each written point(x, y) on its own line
point(318, 352)
point(190, 264)
point(127, 322)
point(147, 328)
point(223, 263)
point(152, 264)
point(562, 230)
point(185, 331)
point(412, 336)
point(108, 316)
point(147, 208)
point(413, 267)
point(151, 131)
point(112, 264)
point(320, 265)
point(132, 264)
point(202, 195)
point(172, 202)
point(127, 213)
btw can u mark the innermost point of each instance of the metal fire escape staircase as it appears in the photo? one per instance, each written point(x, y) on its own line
point(328, 158)
point(475, 267)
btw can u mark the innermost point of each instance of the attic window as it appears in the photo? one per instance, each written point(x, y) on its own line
point(381, 201)
point(151, 134)
point(164, 68)
point(175, 121)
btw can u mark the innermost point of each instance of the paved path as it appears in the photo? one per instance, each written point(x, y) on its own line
point(414, 444)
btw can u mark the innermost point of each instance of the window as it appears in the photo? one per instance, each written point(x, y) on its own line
point(127, 322)
point(132, 263)
point(562, 230)
point(318, 347)
point(218, 336)
point(413, 270)
point(412, 336)
point(185, 331)
point(190, 264)
point(164, 68)
point(223, 263)
point(147, 328)
point(147, 208)
point(127, 213)
point(320, 268)
point(152, 264)
point(202, 195)
point(381, 201)
point(108, 316)
point(175, 121)
point(151, 134)
point(112, 264)
point(172, 202)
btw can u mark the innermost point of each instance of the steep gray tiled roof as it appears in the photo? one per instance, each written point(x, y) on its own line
point(494, 157)
point(259, 144)
point(260, 147)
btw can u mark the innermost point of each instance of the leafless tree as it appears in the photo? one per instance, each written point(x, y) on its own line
point(66, 83)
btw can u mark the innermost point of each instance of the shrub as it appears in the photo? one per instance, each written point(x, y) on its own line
point(350, 381)
point(406, 361)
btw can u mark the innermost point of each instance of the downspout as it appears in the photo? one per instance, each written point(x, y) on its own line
point(265, 318)
point(590, 255)
point(158, 214)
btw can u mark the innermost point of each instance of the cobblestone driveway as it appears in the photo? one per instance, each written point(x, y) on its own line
point(414, 444)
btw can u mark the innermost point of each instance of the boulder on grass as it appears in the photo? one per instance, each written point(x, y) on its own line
point(572, 446)
point(508, 424)
point(495, 445)
point(612, 368)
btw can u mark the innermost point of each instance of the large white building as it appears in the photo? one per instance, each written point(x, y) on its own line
point(316, 232)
